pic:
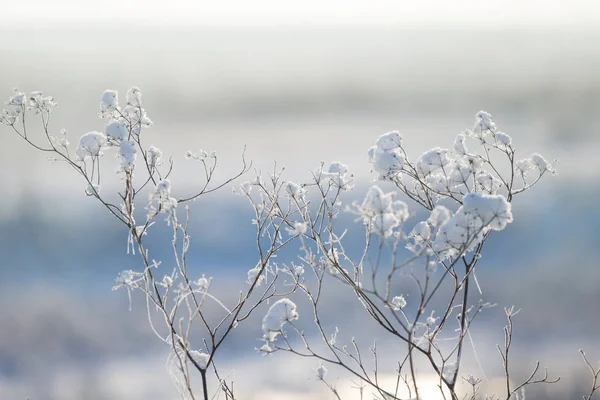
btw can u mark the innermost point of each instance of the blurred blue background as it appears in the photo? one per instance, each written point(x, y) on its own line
point(296, 84)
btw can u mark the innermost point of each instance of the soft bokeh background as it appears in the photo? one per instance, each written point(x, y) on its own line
point(297, 83)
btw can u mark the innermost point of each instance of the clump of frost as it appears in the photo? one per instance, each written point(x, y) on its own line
point(92, 190)
point(483, 124)
point(503, 140)
point(167, 281)
point(421, 232)
point(541, 163)
point(133, 116)
point(134, 97)
point(321, 372)
point(161, 200)
point(295, 191)
point(154, 156)
point(467, 227)
point(14, 109)
point(431, 319)
point(381, 212)
point(109, 103)
point(398, 303)
point(438, 216)
point(127, 154)
point(39, 104)
point(449, 371)
point(254, 274)
point(201, 358)
point(524, 166)
point(459, 145)
point(245, 188)
point(338, 175)
point(282, 311)
point(432, 160)
point(493, 210)
point(386, 156)
point(200, 156)
point(202, 284)
point(488, 182)
point(128, 279)
point(389, 141)
point(91, 145)
point(116, 130)
point(17, 99)
point(299, 228)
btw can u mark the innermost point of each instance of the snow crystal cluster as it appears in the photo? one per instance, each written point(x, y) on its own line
point(91, 145)
point(447, 174)
point(282, 311)
point(321, 372)
point(201, 358)
point(133, 115)
point(154, 156)
point(298, 228)
point(127, 154)
point(257, 275)
point(398, 303)
point(336, 176)
point(454, 172)
point(467, 228)
point(381, 212)
point(122, 131)
point(19, 103)
point(295, 191)
point(161, 200)
point(125, 125)
point(387, 155)
point(202, 284)
point(127, 278)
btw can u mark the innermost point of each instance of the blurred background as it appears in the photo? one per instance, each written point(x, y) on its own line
point(297, 83)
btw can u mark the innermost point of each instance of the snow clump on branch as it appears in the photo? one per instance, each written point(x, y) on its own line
point(467, 228)
point(381, 212)
point(282, 311)
point(161, 200)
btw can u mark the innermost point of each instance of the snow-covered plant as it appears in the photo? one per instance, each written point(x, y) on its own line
point(466, 196)
point(177, 302)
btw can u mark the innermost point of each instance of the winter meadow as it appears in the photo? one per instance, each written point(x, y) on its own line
point(299, 212)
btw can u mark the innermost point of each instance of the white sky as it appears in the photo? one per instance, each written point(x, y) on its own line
point(428, 13)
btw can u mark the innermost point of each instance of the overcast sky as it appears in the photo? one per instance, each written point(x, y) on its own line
point(427, 13)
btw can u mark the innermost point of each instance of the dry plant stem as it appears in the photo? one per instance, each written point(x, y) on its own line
point(463, 325)
point(361, 372)
point(173, 332)
point(209, 171)
point(411, 364)
point(595, 372)
point(229, 394)
point(504, 354)
point(125, 215)
point(204, 384)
